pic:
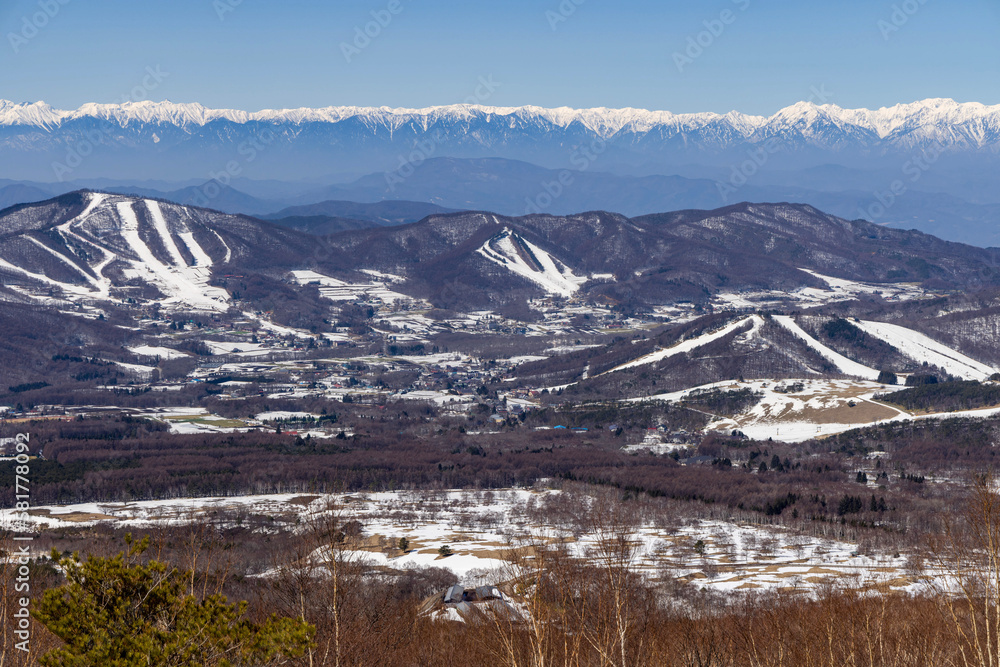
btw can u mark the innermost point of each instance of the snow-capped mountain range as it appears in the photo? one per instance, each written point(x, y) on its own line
point(969, 125)
point(110, 140)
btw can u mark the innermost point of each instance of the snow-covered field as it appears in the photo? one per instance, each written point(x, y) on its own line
point(837, 289)
point(154, 351)
point(439, 397)
point(243, 349)
point(195, 420)
point(797, 410)
point(480, 526)
point(279, 415)
point(443, 359)
point(339, 290)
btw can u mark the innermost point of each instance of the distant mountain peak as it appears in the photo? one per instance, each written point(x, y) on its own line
point(602, 121)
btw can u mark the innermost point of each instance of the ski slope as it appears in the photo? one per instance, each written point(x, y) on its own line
point(66, 287)
point(689, 344)
point(554, 277)
point(182, 284)
point(229, 252)
point(160, 225)
point(201, 257)
point(843, 364)
point(95, 230)
point(62, 258)
point(922, 348)
point(65, 230)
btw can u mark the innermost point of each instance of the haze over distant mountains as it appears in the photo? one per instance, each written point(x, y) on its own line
point(931, 165)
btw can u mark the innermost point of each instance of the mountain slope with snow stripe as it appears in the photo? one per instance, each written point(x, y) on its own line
point(108, 247)
point(201, 258)
point(229, 251)
point(687, 345)
point(182, 286)
point(160, 225)
point(922, 348)
point(843, 364)
point(69, 288)
point(527, 260)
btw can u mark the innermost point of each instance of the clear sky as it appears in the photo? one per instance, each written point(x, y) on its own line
point(254, 54)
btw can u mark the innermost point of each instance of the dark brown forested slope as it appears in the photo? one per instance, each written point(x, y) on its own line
point(120, 457)
point(37, 345)
point(658, 258)
point(802, 236)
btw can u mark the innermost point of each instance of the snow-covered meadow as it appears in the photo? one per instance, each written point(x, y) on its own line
point(482, 527)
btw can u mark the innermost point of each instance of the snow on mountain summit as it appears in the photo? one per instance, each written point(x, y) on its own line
point(972, 123)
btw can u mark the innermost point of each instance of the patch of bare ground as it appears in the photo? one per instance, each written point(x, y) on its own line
point(304, 501)
point(73, 517)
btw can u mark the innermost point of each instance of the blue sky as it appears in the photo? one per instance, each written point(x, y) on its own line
point(252, 54)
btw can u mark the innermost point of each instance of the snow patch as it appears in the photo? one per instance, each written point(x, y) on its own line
point(151, 351)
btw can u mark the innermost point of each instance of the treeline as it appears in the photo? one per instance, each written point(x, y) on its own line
point(945, 396)
point(723, 402)
point(624, 416)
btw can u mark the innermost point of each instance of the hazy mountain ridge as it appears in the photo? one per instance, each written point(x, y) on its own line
point(331, 217)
